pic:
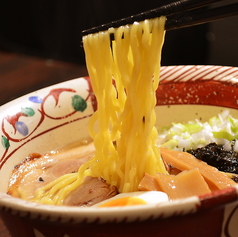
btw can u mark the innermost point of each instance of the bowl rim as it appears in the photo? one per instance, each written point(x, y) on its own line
point(70, 214)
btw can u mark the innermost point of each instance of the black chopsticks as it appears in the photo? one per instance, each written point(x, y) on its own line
point(197, 17)
point(179, 14)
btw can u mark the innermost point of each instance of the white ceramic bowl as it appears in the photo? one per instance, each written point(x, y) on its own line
point(58, 115)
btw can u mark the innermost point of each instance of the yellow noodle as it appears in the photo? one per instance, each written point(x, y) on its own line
point(125, 114)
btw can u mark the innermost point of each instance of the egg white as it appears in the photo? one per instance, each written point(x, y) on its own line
point(150, 197)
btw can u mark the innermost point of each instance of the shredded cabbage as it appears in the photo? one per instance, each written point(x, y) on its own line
point(221, 129)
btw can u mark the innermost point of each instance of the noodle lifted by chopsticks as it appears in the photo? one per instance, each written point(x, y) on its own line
point(125, 75)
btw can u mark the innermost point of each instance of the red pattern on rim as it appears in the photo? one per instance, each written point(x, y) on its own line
point(182, 85)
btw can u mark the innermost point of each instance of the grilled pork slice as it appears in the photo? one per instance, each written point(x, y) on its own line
point(38, 170)
point(92, 191)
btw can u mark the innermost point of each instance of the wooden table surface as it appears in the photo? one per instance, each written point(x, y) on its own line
point(20, 74)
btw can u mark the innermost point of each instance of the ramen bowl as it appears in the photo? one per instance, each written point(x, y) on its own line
point(58, 115)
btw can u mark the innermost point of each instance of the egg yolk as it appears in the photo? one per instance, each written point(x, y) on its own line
point(125, 201)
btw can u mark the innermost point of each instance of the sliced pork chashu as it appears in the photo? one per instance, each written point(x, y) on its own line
point(38, 170)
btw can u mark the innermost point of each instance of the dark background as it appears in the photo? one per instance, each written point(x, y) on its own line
point(52, 29)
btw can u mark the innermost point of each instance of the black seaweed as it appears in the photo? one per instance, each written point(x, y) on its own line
point(215, 155)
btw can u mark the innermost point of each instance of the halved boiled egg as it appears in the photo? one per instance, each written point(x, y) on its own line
point(135, 198)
